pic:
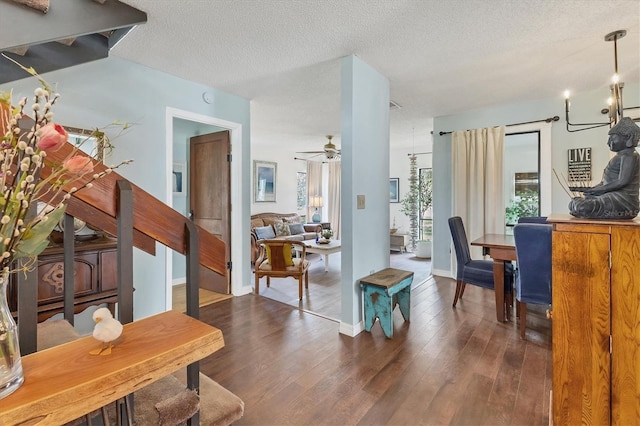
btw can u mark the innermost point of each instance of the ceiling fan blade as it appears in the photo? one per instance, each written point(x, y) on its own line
point(309, 152)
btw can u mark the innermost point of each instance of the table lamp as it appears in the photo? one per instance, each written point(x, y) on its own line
point(316, 201)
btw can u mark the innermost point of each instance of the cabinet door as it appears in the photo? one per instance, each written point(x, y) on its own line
point(51, 276)
point(581, 327)
point(625, 325)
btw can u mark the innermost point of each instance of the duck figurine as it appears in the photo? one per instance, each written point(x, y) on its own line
point(106, 330)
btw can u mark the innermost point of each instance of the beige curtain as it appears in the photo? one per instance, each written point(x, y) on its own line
point(334, 198)
point(478, 194)
point(314, 185)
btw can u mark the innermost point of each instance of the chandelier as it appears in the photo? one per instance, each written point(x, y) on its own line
point(615, 109)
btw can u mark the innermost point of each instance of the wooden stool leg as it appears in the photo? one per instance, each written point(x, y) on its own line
point(369, 309)
point(384, 310)
point(404, 301)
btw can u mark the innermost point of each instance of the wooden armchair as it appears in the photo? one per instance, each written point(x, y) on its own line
point(276, 260)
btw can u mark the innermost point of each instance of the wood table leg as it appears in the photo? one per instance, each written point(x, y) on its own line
point(498, 287)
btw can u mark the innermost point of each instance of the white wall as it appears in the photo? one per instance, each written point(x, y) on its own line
point(286, 187)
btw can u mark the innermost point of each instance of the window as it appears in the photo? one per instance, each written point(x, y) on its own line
point(425, 203)
point(301, 190)
point(521, 176)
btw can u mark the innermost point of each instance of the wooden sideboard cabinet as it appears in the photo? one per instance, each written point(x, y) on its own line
point(596, 321)
point(95, 269)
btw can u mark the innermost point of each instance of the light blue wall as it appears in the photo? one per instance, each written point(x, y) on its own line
point(365, 171)
point(97, 93)
point(585, 107)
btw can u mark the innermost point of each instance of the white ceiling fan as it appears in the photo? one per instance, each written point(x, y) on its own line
point(329, 150)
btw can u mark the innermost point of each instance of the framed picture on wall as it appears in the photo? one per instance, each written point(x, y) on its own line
point(394, 190)
point(179, 179)
point(264, 181)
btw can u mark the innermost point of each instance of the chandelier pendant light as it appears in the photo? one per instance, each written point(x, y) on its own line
point(615, 108)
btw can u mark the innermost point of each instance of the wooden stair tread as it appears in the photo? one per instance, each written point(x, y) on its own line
point(65, 382)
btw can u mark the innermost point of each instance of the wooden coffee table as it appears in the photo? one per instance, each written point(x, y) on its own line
point(325, 249)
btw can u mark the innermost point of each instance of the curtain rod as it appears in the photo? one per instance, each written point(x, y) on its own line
point(546, 120)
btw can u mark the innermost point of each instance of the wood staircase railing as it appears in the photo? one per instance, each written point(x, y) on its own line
point(152, 219)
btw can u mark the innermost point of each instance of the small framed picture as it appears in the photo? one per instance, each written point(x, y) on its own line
point(264, 181)
point(179, 179)
point(394, 190)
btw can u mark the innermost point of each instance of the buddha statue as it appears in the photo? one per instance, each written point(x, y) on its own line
point(616, 196)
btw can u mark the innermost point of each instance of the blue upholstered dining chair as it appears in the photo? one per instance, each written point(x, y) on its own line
point(533, 277)
point(475, 272)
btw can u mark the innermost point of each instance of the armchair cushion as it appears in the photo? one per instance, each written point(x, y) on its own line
point(295, 266)
point(286, 253)
point(265, 232)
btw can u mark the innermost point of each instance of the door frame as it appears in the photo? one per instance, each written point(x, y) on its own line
point(235, 138)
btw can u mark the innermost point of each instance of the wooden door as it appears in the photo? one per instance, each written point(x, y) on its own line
point(581, 326)
point(210, 197)
point(625, 325)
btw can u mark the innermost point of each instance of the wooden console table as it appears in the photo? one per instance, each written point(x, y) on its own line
point(65, 382)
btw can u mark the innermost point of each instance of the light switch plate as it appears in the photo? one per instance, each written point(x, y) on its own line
point(360, 202)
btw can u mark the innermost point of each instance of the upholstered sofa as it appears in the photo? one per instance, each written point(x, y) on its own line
point(279, 225)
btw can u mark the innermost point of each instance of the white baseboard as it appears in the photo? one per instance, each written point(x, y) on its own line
point(351, 330)
point(441, 273)
point(178, 281)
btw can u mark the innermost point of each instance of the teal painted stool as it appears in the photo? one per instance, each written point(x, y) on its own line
point(382, 291)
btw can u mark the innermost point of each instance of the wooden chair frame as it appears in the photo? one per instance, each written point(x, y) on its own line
point(276, 268)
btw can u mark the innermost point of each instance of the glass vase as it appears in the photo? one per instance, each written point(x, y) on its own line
point(11, 376)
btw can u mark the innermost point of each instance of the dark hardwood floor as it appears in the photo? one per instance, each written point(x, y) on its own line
point(323, 296)
point(447, 366)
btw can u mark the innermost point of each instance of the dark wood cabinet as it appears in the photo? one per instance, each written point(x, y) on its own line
point(95, 271)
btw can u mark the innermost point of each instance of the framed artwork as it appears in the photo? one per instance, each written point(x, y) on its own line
point(179, 179)
point(394, 190)
point(264, 181)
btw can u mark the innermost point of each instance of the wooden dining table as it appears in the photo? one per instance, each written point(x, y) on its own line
point(501, 248)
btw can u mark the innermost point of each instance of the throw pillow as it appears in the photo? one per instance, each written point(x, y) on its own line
point(257, 223)
point(264, 232)
point(296, 228)
point(282, 229)
point(286, 253)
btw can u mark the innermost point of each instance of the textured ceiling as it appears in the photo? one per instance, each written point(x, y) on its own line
point(441, 57)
